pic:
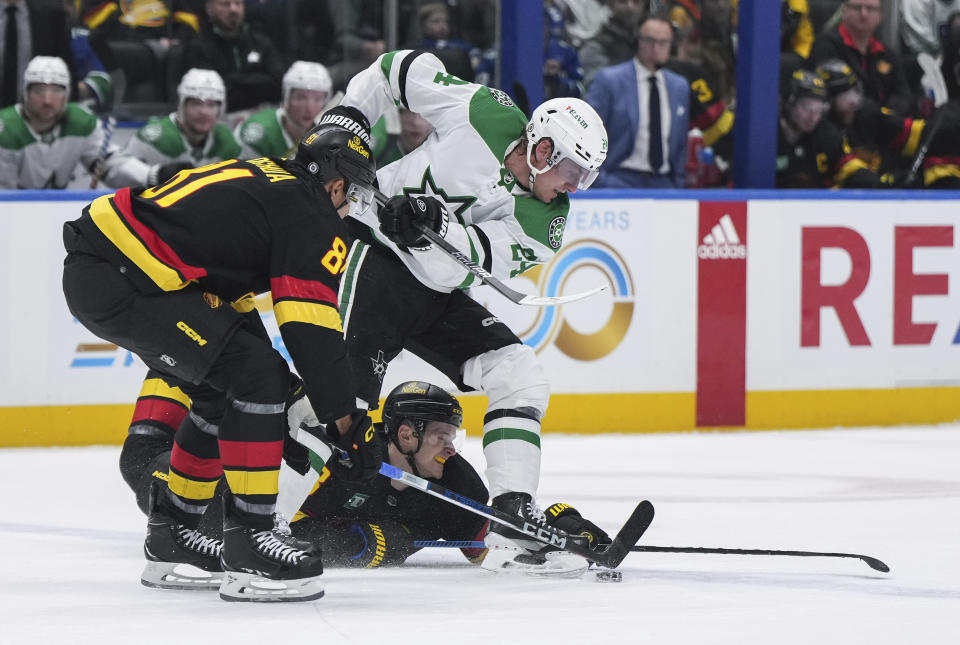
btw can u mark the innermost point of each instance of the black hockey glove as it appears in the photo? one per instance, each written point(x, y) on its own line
point(360, 449)
point(567, 518)
point(160, 173)
point(400, 215)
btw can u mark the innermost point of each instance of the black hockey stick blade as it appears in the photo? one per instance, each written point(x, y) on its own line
point(871, 562)
point(626, 539)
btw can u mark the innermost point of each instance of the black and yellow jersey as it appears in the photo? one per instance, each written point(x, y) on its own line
point(234, 228)
point(821, 159)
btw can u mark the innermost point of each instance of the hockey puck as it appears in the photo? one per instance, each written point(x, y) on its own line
point(609, 575)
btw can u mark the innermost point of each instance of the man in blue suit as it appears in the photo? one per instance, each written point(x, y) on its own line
point(649, 107)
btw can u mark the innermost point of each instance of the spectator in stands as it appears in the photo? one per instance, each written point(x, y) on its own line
point(161, 23)
point(796, 30)
point(392, 143)
point(30, 28)
point(44, 138)
point(95, 89)
point(458, 56)
point(854, 42)
point(615, 41)
point(358, 29)
point(562, 72)
point(275, 132)
point(811, 151)
point(648, 107)
point(922, 21)
point(190, 137)
point(709, 112)
point(246, 60)
point(877, 137)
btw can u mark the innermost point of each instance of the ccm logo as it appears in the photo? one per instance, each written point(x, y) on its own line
point(185, 328)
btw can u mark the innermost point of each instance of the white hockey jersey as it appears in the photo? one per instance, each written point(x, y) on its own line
point(493, 220)
point(29, 159)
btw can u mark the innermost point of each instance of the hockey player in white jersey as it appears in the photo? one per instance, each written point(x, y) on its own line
point(45, 136)
point(275, 131)
point(495, 186)
point(190, 137)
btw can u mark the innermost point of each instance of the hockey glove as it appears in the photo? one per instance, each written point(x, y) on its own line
point(567, 518)
point(400, 216)
point(160, 173)
point(360, 449)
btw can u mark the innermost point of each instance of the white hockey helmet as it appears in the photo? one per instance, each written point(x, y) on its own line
point(304, 75)
point(578, 136)
point(49, 70)
point(203, 84)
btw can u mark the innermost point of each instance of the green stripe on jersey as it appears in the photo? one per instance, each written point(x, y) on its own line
point(498, 434)
point(386, 63)
point(78, 121)
point(349, 278)
point(542, 222)
point(14, 134)
point(498, 123)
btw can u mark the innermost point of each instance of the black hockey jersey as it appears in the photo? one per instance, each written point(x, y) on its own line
point(233, 228)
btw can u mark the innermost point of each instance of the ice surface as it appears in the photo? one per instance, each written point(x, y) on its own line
point(71, 555)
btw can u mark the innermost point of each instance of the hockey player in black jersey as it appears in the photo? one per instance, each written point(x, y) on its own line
point(876, 135)
point(150, 270)
point(811, 151)
point(355, 524)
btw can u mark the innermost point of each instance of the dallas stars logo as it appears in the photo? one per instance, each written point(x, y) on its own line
point(456, 204)
point(379, 365)
point(507, 180)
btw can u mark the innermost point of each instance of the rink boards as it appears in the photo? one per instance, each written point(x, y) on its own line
point(724, 309)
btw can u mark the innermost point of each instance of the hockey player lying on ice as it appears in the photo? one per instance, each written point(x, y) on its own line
point(355, 524)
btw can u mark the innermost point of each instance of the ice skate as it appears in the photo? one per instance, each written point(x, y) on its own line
point(265, 565)
point(509, 551)
point(178, 557)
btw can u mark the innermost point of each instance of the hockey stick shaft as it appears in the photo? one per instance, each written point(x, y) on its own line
point(922, 152)
point(610, 557)
point(873, 563)
point(485, 276)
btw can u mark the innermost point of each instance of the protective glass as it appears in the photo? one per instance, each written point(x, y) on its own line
point(574, 174)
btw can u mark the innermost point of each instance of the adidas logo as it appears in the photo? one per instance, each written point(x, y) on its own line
point(722, 243)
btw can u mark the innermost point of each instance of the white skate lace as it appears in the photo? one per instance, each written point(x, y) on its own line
point(272, 547)
point(536, 513)
point(197, 541)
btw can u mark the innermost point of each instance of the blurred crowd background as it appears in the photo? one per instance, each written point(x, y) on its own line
point(129, 92)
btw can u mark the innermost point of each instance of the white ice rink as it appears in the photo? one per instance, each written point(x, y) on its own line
point(71, 553)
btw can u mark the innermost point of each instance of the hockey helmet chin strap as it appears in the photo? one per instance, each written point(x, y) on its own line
point(418, 425)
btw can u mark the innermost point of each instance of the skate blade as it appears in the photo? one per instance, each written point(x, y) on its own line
point(172, 575)
point(557, 564)
point(248, 587)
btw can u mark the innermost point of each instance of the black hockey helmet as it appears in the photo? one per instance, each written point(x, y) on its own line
point(804, 84)
point(418, 402)
point(837, 76)
point(339, 146)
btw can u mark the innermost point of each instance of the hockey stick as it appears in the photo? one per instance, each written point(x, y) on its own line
point(922, 152)
point(609, 556)
point(871, 562)
point(486, 277)
point(108, 125)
